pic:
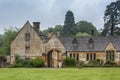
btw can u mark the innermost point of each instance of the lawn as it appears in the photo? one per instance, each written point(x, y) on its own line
point(59, 74)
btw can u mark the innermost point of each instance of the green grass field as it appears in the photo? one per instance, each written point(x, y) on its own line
point(59, 74)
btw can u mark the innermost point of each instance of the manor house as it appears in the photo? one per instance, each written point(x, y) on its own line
point(30, 43)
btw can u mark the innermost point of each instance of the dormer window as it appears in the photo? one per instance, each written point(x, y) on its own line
point(75, 42)
point(90, 43)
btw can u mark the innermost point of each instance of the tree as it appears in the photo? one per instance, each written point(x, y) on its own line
point(58, 28)
point(112, 19)
point(85, 27)
point(68, 28)
point(82, 34)
point(8, 37)
point(50, 29)
point(44, 32)
point(1, 40)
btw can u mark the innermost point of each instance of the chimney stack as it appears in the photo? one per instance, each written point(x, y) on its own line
point(49, 35)
point(36, 26)
point(58, 33)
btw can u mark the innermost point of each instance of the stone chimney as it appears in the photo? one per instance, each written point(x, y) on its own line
point(49, 35)
point(36, 26)
point(58, 33)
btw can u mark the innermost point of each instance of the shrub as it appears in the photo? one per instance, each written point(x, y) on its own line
point(93, 63)
point(21, 62)
point(79, 64)
point(110, 63)
point(69, 61)
point(97, 62)
point(37, 62)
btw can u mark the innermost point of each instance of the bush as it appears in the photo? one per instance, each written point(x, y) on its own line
point(37, 62)
point(110, 63)
point(69, 62)
point(79, 64)
point(93, 63)
point(97, 62)
point(21, 63)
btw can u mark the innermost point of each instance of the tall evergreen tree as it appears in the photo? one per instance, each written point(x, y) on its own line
point(112, 19)
point(68, 28)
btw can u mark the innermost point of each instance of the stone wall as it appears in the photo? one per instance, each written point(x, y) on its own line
point(18, 45)
point(38, 47)
point(82, 55)
point(57, 48)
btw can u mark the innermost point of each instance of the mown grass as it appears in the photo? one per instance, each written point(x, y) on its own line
point(59, 74)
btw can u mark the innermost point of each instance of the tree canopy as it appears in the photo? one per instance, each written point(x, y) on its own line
point(112, 19)
point(70, 28)
point(57, 29)
point(7, 37)
point(85, 27)
point(82, 34)
point(1, 40)
point(69, 23)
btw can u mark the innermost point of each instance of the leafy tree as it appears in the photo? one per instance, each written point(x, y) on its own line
point(8, 37)
point(44, 32)
point(112, 19)
point(1, 40)
point(81, 28)
point(85, 27)
point(58, 28)
point(68, 28)
point(82, 34)
point(50, 29)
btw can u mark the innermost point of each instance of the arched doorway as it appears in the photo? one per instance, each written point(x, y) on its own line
point(49, 59)
point(54, 58)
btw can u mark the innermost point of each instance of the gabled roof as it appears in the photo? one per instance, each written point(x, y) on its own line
point(42, 37)
point(27, 23)
point(99, 43)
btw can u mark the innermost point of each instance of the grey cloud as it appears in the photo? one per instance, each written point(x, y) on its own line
point(50, 12)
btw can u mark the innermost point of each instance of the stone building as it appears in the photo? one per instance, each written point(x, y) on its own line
point(30, 43)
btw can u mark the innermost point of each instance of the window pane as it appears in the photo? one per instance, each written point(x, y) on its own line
point(106, 55)
point(77, 57)
point(71, 55)
point(74, 55)
point(27, 49)
point(90, 56)
point(94, 56)
point(110, 55)
point(27, 37)
point(87, 57)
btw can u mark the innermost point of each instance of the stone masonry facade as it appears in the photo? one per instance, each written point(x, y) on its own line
point(30, 43)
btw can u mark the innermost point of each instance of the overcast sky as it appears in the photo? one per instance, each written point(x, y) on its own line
point(15, 13)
